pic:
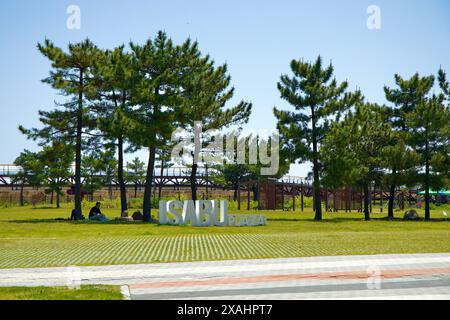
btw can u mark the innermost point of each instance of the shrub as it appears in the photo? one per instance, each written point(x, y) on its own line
point(37, 198)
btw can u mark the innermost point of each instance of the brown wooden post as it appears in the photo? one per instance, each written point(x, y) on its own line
point(352, 200)
point(361, 202)
point(274, 196)
point(239, 197)
point(334, 200)
point(259, 195)
point(301, 196)
point(314, 202)
point(248, 196)
point(293, 197)
point(206, 181)
point(381, 198)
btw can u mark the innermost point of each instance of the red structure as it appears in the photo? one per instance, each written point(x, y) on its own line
point(274, 194)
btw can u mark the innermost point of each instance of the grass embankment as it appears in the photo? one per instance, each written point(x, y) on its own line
point(32, 238)
point(88, 292)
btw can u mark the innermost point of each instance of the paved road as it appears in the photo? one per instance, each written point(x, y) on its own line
point(411, 276)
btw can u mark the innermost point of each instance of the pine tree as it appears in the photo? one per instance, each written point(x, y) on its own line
point(115, 79)
point(107, 164)
point(231, 173)
point(55, 161)
point(405, 97)
point(91, 172)
point(164, 157)
point(430, 123)
point(317, 98)
point(445, 86)
point(71, 75)
point(402, 162)
point(30, 172)
point(135, 173)
point(207, 91)
point(157, 99)
point(353, 152)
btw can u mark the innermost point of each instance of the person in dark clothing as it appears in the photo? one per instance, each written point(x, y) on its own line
point(96, 214)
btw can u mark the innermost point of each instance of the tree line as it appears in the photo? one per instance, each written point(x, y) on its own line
point(352, 142)
point(125, 99)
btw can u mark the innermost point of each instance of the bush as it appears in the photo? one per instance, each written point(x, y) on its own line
point(233, 205)
point(307, 202)
point(108, 204)
point(37, 198)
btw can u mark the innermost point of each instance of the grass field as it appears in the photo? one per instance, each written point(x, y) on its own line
point(89, 292)
point(32, 238)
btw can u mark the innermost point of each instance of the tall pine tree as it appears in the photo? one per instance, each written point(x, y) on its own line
point(71, 75)
point(206, 93)
point(405, 97)
point(430, 124)
point(353, 152)
point(317, 98)
point(160, 68)
point(115, 80)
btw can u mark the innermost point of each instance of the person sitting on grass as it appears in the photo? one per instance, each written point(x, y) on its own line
point(96, 215)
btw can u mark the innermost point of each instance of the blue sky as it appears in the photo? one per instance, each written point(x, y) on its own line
point(257, 39)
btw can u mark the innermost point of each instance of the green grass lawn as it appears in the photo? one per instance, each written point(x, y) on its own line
point(31, 238)
point(88, 292)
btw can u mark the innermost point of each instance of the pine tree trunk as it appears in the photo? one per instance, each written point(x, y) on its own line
point(122, 186)
point(255, 193)
point(78, 209)
point(316, 183)
point(193, 181)
point(427, 184)
point(21, 195)
point(402, 201)
point(58, 201)
point(381, 198)
point(161, 180)
point(366, 201)
point(148, 185)
point(392, 195)
point(110, 191)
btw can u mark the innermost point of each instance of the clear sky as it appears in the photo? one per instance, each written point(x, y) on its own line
point(256, 38)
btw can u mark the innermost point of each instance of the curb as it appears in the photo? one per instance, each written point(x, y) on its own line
point(125, 290)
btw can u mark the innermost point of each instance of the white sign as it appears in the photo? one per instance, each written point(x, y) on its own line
point(205, 213)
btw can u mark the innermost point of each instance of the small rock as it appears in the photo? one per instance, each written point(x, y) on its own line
point(137, 216)
point(411, 215)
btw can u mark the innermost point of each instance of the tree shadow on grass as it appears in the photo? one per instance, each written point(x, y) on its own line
point(352, 219)
point(326, 220)
point(80, 222)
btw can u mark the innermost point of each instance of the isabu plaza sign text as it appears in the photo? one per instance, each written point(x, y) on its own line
point(205, 213)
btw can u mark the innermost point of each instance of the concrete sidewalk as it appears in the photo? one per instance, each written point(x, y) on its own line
point(346, 277)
